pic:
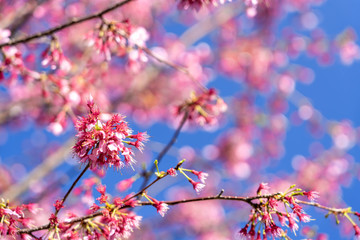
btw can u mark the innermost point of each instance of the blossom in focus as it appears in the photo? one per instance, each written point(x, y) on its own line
point(198, 186)
point(201, 175)
point(103, 143)
point(161, 207)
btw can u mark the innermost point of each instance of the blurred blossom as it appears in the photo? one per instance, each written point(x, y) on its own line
point(343, 134)
point(187, 153)
point(305, 112)
point(210, 152)
point(4, 35)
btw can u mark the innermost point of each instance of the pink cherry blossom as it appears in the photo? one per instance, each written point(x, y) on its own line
point(161, 208)
point(198, 186)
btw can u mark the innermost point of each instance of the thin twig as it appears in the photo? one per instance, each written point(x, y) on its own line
point(333, 210)
point(160, 156)
point(216, 197)
point(65, 25)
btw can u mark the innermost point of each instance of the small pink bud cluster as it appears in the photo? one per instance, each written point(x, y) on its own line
point(53, 56)
point(12, 66)
point(53, 220)
point(101, 143)
point(204, 109)
point(172, 172)
point(102, 190)
point(58, 205)
point(121, 37)
point(59, 124)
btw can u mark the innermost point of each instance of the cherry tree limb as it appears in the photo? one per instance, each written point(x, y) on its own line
point(219, 196)
point(65, 25)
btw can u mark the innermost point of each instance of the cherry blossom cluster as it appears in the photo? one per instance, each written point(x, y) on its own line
point(205, 108)
point(270, 215)
point(101, 141)
point(120, 223)
point(260, 61)
point(108, 220)
point(14, 218)
point(119, 38)
point(112, 224)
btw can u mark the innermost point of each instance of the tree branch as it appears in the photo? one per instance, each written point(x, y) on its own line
point(65, 25)
point(333, 210)
point(72, 187)
point(199, 199)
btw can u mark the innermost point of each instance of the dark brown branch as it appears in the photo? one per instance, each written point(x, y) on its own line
point(72, 187)
point(65, 25)
point(96, 214)
point(216, 197)
point(31, 230)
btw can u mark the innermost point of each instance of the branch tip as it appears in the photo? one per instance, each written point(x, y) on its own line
point(220, 193)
